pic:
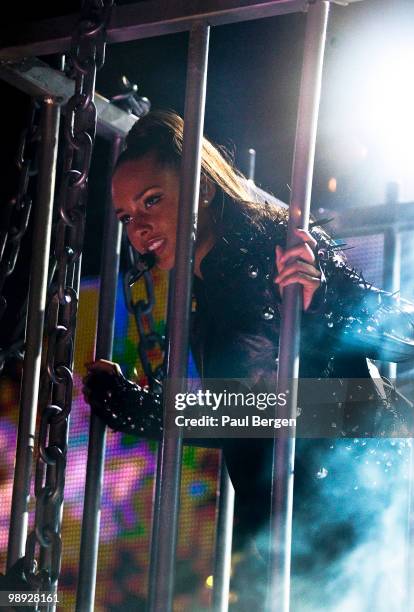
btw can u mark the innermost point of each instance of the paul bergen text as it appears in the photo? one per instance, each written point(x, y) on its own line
point(226, 421)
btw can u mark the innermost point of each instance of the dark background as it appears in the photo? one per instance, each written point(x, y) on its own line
point(253, 84)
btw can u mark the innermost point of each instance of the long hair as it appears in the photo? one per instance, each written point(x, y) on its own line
point(160, 133)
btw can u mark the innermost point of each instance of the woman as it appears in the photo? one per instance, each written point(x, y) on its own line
point(240, 270)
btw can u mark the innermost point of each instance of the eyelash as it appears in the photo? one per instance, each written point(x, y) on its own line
point(148, 203)
point(125, 219)
point(151, 198)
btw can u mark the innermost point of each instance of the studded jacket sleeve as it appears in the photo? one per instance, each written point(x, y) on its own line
point(124, 406)
point(346, 310)
point(363, 319)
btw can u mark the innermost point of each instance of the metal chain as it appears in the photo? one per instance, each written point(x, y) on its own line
point(139, 268)
point(16, 345)
point(142, 311)
point(55, 395)
point(17, 215)
point(129, 100)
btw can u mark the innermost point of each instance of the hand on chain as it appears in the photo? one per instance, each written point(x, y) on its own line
point(101, 377)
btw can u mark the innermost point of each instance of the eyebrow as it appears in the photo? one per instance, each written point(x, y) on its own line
point(138, 196)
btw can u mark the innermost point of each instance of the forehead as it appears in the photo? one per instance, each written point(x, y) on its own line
point(134, 176)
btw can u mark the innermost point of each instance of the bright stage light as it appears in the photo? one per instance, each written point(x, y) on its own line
point(332, 184)
point(377, 115)
point(388, 113)
point(368, 109)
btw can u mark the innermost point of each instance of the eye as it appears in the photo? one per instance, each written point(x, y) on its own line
point(125, 219)
point(151, 200)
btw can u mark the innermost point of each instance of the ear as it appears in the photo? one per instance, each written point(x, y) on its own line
point(207, 191)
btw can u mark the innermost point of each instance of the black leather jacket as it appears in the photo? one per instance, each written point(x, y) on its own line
point(236, 325)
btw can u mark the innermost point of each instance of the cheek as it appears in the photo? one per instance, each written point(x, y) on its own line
point(135, 239)
point(172, 221)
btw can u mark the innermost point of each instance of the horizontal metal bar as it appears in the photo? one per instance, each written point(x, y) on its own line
point(371, 219)
point(139, 20)
point(38, 79)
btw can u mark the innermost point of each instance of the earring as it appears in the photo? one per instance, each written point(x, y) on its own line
point(205, 201)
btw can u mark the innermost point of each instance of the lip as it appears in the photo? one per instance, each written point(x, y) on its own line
point(156, 245)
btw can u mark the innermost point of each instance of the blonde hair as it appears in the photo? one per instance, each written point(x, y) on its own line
point(161, 133)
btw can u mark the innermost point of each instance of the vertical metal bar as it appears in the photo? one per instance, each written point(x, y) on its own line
point(167, 501)
point(34, 329)
point(284, 449)
point(409, 545)
point(224, 534)
point(252, 165)
point(111, 247)
point(392, 262)
point(391, 281)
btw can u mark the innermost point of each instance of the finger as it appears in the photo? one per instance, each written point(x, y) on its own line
point(98, 364)
point(298, 266)
point(308, 282)
point(91, 378)
point(302, 251)
point(103, 365)
point(305, 236)
point(87, 395)
point(89, 387)
point(279, 254)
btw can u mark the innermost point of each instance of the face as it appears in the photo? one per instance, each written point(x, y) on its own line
point(145, 196)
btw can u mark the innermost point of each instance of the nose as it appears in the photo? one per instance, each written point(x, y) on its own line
point(138, 231)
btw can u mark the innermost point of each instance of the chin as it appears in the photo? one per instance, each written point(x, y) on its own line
point(164, 265)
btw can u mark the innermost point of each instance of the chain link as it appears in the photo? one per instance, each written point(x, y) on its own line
point(15, 348)
point(142, 311)
point(43, 550)
point(129, 100)
point(139, 268)
point(17, 216)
